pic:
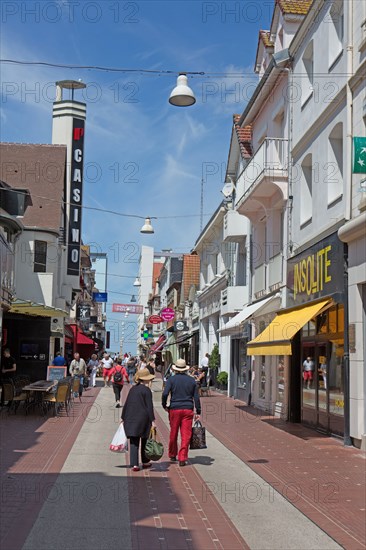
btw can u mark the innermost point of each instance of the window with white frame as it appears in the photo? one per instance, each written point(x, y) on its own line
point(306, 189)
point(334, 166)
point(307, 81)
point(336, 31)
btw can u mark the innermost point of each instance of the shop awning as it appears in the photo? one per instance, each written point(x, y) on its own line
point(276, 338)
point(68, 332)
point(84, 340)
point(234, 325)
point(27, 307)
point(159, 344)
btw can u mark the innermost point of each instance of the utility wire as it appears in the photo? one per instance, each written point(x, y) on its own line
point(158, 72)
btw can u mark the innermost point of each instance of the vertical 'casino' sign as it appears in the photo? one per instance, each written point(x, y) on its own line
point(75, 197)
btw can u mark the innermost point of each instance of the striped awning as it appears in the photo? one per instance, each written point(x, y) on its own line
point(159, 344)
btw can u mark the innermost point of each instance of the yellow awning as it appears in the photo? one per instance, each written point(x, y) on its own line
point(276, 338)
point(27, 307)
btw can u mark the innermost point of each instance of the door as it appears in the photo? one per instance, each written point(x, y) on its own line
point(321, 386)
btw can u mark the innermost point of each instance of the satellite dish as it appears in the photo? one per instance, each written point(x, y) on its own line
point(228, 189)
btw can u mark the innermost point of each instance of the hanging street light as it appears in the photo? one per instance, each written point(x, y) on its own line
point(133, 298)
point(137, 282)
point(182, 95)
point(147, 227)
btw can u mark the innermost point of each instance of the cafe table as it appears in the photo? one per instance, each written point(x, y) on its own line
point(39, 389)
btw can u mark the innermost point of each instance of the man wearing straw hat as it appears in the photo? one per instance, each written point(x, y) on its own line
point(184, 398)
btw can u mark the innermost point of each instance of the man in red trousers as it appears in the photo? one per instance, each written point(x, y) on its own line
point(183, 399)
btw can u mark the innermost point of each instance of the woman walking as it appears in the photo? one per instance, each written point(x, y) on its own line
point(119, 374)
point(92, 369)
point(138, 417)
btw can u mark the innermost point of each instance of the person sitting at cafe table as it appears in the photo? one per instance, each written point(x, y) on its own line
point(78, 369)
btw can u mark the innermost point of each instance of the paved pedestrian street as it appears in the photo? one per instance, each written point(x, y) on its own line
point(260, 484)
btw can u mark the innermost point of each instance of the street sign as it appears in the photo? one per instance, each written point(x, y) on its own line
point(180, 325)
point(167, 314)
point(128, 308)
point(155, 319)
point(100, 297)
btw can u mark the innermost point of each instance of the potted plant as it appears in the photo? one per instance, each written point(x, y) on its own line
point(221, 381)
point(214, 363)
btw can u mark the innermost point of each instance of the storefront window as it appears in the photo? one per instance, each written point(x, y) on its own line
point(262, 391)
point(308, 372)
point(335, 381)
point(280, 379)
point(243, 365)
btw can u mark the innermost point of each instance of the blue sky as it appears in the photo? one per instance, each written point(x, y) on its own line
point(143, 156)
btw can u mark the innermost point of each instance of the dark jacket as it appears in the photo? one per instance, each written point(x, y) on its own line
point(183, 393)
point(138, 412)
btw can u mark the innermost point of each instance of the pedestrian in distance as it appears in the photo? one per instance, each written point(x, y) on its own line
point(308, 372)
point(142, 362)
point(183, 392)
point(120, 375)
point(151, 367)
point(138, 418)
point(131, 368)
point(92, 369)
point(107, 365)
point(59, 360)
point(77, 369)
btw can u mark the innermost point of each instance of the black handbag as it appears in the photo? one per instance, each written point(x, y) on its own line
point(198, 439)
point(154, 450)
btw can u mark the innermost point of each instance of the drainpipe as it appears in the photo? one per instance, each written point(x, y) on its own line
point(348, 215)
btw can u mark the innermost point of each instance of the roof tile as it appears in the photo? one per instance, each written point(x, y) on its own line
point(300, 7)
point(244, 136)
point(266, 39)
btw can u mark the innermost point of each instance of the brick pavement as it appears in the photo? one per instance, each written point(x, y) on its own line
point(33, 450)
point(317, 474)
point(172, 512)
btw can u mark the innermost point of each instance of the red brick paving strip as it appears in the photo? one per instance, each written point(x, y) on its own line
point(170, 511)
point(317, 474)
point(33, 451)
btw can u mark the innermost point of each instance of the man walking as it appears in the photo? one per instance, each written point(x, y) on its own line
point(107, 364)
point(184, 398)
point(77, 369)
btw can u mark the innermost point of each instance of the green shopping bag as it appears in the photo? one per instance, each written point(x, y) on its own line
point(154, 450)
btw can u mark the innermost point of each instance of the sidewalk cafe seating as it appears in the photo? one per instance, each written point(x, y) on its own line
point(75, 388)
point(10, 396)
point(58, 399)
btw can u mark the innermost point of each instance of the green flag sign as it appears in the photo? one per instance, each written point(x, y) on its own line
point(359, 155)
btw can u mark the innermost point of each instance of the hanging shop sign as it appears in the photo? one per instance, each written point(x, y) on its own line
point(83, 313)
point(155, 319)
point(167, 314)
point(180, 325)
point(317, 272)
point(75, 197)
point(359, 155)
point(128, 308)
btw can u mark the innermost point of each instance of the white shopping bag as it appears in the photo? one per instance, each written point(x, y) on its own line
point(119, 442)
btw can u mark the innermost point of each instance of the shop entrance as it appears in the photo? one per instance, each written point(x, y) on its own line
point(240, 376)
point(322, 396)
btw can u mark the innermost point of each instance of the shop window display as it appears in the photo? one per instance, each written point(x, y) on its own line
point(280, 379)
point(262, 391)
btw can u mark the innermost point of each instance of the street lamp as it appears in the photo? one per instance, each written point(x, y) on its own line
point(137, 282)
point(147, 227)
point(133, 298)
point(182, 95)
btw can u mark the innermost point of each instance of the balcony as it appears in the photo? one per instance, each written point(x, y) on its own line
point(233, 299)
point(264, 177)
point(235, 227)
point(268, 276)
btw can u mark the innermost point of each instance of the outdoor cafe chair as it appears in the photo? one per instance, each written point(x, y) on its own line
point(58, 399)
point(9, 396)
point(75, 388)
